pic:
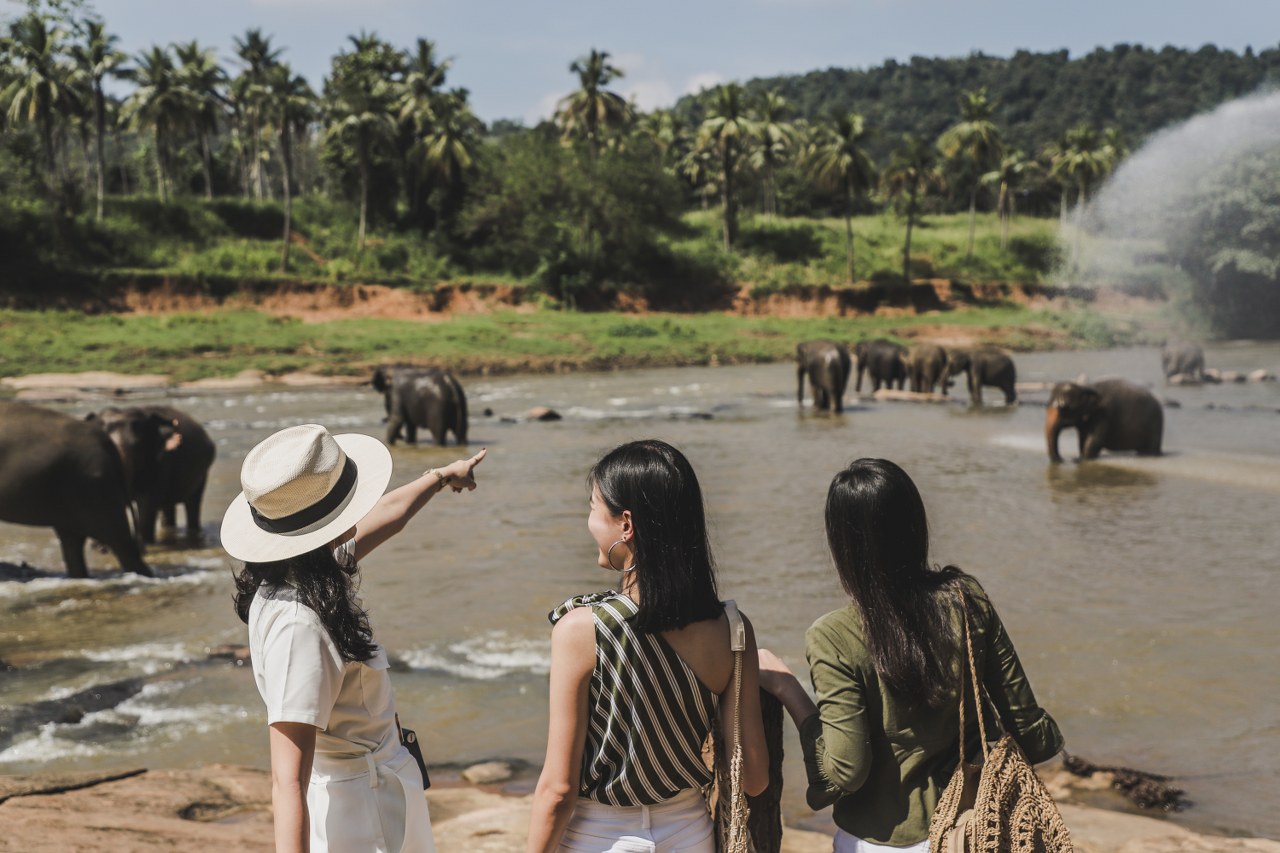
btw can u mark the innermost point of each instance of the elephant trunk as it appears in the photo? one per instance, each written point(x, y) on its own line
point(1052, 428)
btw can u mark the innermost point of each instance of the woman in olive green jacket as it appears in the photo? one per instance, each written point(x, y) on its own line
point(880, 743)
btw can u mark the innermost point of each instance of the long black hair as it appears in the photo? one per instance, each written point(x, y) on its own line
point(324, 583)
point(674, 569)
point(879, 540)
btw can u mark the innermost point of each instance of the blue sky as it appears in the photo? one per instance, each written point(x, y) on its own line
point(514, 56)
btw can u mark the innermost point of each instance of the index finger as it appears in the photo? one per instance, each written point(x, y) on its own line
point(478, 458)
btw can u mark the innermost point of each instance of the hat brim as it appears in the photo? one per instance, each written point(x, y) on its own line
point(244, 540)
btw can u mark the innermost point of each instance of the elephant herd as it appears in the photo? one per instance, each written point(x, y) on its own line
point(90, 478)
point(925, 367)
point(1111, 414)
point(111, 475)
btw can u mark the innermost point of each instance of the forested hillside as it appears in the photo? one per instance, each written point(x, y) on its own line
point(1039, 96)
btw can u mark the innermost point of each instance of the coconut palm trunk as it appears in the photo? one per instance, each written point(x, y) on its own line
point(730, 208)
point(364, 199)
point(1002, 206)
point(848, 230)
point(99, 125)
point(206, 162)
point(911, 221)
point(257, 159)
point(973, 218)
point(286, 157)
point(161, 187)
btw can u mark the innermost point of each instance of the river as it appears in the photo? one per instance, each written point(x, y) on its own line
point(1139, 592)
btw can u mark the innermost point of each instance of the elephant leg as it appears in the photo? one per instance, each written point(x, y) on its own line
point(410, 432)
point(72, 543)
point(394, 424)
point(146, 519)
point(171, 515)
point(837, 399)
point(975, 390)
point(1091, 445)
point(192, 509)
point(800, 386)
point(1010, 394)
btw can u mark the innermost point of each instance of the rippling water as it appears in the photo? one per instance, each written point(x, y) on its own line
point(1140, 592)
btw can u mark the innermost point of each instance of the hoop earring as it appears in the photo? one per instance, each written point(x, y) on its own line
point(608, 558)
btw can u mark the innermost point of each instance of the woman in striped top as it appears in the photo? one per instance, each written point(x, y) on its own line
point(640, 675)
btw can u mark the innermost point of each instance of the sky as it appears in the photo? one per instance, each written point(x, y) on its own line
point(514, 55)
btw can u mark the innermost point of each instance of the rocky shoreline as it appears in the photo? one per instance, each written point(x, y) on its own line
point(229, 807)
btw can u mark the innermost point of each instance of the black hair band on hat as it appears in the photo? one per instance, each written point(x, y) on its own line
point(318, 510)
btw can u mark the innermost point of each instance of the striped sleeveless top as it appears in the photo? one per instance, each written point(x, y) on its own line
point(647, 714)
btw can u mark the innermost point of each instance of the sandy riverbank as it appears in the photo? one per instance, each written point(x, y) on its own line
point(223, 807)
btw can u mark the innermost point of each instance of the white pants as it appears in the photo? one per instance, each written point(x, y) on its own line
point(846, 843)
point(380, 810)
point(679, 825)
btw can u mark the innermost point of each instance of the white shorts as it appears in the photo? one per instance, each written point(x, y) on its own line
point(846, 843)
point(679, 825)
point(380, 812)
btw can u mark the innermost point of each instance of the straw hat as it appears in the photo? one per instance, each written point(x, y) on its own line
point(302, 489)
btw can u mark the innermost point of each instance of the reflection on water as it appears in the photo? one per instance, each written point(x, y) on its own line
point(1140, 592)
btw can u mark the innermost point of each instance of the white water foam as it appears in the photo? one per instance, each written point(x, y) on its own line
point(485, 658)
point(131, 583)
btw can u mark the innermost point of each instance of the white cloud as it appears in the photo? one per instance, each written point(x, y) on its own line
point(650, 94)
point(545, 109)
point(705, 80)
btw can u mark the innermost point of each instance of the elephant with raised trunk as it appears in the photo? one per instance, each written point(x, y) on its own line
point(985, 365)
point(927, 368)
point(827, 364)
point(1183, 359)
point(177, 476)
point(885, 361)
point(66, 473)
point(1110, 414)
point(427, 397)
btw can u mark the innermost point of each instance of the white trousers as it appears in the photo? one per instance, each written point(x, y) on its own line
point(679, 825)
point(380, 810)
point(846, 843)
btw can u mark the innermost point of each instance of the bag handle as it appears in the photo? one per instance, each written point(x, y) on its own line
point(737, 840)
point(973, 673)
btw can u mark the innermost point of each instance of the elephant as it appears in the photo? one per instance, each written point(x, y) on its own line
point(63, 472)
point(927, 367)
point(429, 397)
point(827, 364)
point(1185, 359)
point(985, 365)
point(1110, 414)
point(180, 477)
point(884, 360)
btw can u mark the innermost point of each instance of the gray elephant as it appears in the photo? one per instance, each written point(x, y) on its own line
point(885, 361)
point(927, 368)
point(428, 397)
point(1110, 414)
point(62, 472)
point(985, 365)
point(827, 364)
point(1184, 359)
point(179, 475)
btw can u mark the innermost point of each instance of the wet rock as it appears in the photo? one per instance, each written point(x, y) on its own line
point(1262, 375)
point(235, 652)
point(69, 710)
point(488, 412)
point(1212, 375)
point(1232, 376)
point(1171, 404)
point(542, 413)
point(488, 773)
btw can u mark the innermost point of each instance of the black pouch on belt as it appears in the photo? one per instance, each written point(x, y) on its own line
point(409, 738)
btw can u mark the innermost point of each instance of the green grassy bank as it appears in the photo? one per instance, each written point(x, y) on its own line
point(223, 343)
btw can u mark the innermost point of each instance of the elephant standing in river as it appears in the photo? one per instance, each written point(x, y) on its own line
point(1110, 414)
point(428, 397)
point(884, 360)
point(927, 367)
point(985, 365)
point(63, 472)
point(178, 476)
point(827, 365)
point(1184, 359)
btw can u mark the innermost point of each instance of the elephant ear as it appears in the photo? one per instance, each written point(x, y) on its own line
point(1090, 401)
point(379, 381)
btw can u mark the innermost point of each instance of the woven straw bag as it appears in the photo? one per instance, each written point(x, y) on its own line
point(1000, 806)
point(725, 797)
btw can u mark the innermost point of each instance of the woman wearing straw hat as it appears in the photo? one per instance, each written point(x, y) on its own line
point(312, 508)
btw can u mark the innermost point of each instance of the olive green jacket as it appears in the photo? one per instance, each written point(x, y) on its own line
point(884, 762)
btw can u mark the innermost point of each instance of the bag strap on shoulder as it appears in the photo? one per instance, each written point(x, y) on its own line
point(737, 628)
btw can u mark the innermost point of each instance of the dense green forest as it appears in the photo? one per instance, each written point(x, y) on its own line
point(168, 160)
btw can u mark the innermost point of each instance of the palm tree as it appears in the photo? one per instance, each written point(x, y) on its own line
point(96, 59)
point(974, 142)
point(838, 162)
point(158, 102)
point(448, 150)
point(592, 112)
point(774, 137)
point(419, 102)
point(913, 171)
point(1013, 171)
point(201, 79)
point(258, 55)
point(727, 132)
point(290, 102)
point(40, 86)
point(1083, 160)
point(360, 113)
